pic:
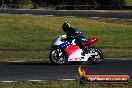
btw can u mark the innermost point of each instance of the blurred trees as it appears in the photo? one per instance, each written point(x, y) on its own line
point(111, 2)
point(31, 3)
point(21, 3)
point(95, 2)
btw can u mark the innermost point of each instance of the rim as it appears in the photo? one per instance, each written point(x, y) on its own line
point(98, 57)
point(58, 57)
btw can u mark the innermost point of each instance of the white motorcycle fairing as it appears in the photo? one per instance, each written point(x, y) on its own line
point(77, 54)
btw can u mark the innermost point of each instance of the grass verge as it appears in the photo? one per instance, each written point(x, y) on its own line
point(61, 84)
point(129, 2)
point(28, 33)
point(23, 56)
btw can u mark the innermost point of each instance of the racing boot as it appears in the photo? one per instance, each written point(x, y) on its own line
point(85, 51)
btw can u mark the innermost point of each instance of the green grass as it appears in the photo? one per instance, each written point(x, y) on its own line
point(117, 53)
point(129, 2)
point(36, 56)
point(61, 84)
point(29, 33)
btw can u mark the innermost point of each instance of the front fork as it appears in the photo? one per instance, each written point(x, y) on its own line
point(59, 52)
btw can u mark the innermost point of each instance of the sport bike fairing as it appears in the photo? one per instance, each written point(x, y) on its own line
point(73, 51)
point(90, 41)
point(66, 50)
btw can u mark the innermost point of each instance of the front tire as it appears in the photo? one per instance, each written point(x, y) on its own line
point(57, 57)
point(97, 59)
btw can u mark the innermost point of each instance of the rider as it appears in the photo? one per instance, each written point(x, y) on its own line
point(74, 32)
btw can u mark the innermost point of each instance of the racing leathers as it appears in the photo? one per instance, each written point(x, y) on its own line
point(79, 38)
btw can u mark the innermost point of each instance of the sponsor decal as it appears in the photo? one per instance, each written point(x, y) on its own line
point(83, 78)
point(76, 59)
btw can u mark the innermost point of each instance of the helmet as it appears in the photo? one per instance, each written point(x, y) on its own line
point(65, 26)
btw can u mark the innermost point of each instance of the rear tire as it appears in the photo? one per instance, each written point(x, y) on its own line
point(98, 58)
point(57, 57)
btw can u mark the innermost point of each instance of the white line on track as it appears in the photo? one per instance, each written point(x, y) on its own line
point(35, 80)
point(66, 79)
point(94, 17)
point(27, 14)
point(49, 15)
point(16, 61)
point(129, 19)
point(113, 18)
point(7, 81)
point(71, 16)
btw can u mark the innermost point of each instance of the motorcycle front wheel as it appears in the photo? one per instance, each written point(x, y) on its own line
point(57, 57)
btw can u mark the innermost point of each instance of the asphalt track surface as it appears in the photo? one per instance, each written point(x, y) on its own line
point(21, 71)
point(123, 15)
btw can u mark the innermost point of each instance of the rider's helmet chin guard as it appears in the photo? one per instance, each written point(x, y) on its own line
point(65, 26)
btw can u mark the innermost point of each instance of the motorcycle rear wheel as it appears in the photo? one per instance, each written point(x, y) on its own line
point(98, 58)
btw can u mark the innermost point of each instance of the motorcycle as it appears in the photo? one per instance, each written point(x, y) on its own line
point(66, 50)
